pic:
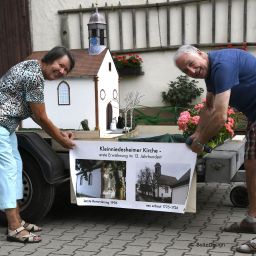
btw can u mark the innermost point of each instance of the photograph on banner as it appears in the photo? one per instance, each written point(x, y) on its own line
point(136, 175)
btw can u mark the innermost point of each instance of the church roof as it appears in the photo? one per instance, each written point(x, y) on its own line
point(86, 65)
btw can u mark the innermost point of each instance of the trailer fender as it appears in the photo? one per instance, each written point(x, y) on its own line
point(51, 165)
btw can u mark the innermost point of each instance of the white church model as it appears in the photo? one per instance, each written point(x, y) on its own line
point(91, 89)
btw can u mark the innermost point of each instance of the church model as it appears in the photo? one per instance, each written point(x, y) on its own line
point(90, 91)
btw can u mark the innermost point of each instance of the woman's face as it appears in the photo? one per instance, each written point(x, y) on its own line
point(59, 68)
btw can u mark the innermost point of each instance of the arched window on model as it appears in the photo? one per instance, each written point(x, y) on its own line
point(63, 93)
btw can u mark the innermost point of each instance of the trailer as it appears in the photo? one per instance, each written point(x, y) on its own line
point(46, 165)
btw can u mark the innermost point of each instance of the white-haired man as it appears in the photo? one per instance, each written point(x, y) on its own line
point(230, 78)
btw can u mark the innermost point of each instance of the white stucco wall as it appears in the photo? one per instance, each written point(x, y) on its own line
point(158, 66)
point(179, 194)
point(108, 81)
point(93, 190)
point(82, 104)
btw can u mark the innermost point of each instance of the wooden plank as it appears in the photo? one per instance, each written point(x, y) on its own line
point(182, 24)
point(198, 23)
point(213, 20)
point(134, 39)
point(245, 21)
point(168, 27)
point(15, 43)
point(107, 27)
point(128, 7)
point(120, 27)
point(81, 26)
point(147, 24)
point(64, 30)
point(175, 47)
point(229, 21)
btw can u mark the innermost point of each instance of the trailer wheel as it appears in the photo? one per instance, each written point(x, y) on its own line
point(38, 195)
point(239, 196)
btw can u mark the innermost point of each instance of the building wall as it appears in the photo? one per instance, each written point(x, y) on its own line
point(158, 66)
point(82, 104)
point(93, 190)
point(179, 194)
point(108, 81)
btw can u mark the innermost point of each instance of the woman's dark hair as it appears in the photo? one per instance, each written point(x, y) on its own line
point(56, 53)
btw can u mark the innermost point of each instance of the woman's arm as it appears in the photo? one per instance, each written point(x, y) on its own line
point(41, 118)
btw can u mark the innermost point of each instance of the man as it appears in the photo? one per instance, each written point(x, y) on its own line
point(22, 96)
point(230, 77)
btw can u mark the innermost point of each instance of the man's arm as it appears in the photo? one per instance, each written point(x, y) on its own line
point(212, 119)
point(41, 118)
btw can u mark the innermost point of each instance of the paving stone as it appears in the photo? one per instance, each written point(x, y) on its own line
point(149, 233)
point(126, 236)
point(185, 237)
point(68, 249)
point(181, 244)
point(79, 241)
point(192, 230)
point(227, 239)
point(40, 252)
point(153, 254)
point(228, 248)
point(16, 253)
point(176, 252)
point(140, 241)
point(92, 247)
point(55, 244)
point(118, 244)
point(103, 239)
point(67, 236)
point(5, 249)
point(156, 247)
point(165, 239)
point(208, 234)
point(132, 250)
point(82, 253)
point(213, 227)
point(108, 251)
point(220, 254)
point(91, 234)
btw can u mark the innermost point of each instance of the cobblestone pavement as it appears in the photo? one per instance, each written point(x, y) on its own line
point(86, 231)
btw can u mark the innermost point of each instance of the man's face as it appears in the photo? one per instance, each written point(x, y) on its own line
point(57, 69)
point(194, 65)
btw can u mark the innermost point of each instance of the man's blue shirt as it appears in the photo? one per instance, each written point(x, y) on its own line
point(236, 70)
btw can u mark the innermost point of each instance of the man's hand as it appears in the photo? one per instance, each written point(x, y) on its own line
point(197, 146)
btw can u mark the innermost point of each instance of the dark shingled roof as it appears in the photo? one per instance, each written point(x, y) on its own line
point(184, 180)
point(86, 65)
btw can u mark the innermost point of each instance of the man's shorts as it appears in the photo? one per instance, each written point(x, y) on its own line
point(250, 145)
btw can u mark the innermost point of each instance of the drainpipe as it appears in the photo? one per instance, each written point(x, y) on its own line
point(96, 79)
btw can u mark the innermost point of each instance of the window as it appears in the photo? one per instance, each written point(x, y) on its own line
point(63, 93)
point(90, 179)
point(166, 189)
point(81, 180)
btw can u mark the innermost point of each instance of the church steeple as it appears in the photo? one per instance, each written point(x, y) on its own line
point(97, 33)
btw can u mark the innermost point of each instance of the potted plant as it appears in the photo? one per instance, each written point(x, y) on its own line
point(181, 92)
point(128, 64)
point(188, 121)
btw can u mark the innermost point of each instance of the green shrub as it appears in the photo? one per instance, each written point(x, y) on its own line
point(181, 92)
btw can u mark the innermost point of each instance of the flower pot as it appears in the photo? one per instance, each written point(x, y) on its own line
point(130, 71)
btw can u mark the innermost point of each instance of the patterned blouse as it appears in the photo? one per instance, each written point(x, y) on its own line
point(22, 84)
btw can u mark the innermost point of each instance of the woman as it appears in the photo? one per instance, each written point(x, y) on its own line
point(22, 96)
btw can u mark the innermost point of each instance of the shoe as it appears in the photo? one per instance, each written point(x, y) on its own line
point(248, 247)
point(30, 227)
point(29, 238)
point(243, 227)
